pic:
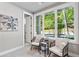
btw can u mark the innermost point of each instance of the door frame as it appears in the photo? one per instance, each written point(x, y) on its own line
point(24, 12)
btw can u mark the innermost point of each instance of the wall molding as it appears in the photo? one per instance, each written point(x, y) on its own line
point(73, 54)
point(10, 50)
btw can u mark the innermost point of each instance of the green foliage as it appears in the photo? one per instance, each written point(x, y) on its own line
point(49, 21)
point(60, 19)
point(69, 12)
point(70, 17)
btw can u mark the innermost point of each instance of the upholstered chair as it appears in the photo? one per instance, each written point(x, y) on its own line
point(60, 48)
point(35, 41)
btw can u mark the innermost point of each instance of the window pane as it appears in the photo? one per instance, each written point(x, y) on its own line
point(60, 16)
point(49, 24)
point(70, 22)
point(61, 24)
point(69, 14)
point(38, 24)
point(65, 21)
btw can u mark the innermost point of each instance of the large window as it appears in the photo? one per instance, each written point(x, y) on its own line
point(49, 24)
point(64, 18)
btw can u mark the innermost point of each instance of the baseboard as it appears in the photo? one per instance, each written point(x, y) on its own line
point(10, 50)
point(73, 55)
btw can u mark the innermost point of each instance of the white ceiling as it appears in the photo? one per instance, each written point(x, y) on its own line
point(35, 6)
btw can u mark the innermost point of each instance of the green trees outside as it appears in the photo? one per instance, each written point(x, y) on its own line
point(49, 21)
point(60, 21)
point(60, 18)
point(70, 17)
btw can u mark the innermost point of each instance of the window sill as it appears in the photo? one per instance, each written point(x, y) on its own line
point(69, 40)
point(74, 42)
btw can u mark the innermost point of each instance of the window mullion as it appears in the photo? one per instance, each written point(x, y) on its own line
point(56, 24)
point(43, 24)
point(65, 21)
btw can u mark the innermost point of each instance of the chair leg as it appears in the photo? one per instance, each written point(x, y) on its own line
point(67, 55)
point(49, 53)
point(31, 47)
point(39, 50)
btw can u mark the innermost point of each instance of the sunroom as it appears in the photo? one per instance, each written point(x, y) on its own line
point(41, 29)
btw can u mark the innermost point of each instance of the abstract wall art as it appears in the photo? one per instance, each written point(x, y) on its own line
point(8, 23)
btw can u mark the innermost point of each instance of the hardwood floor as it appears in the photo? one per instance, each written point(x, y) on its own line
point(26, 52)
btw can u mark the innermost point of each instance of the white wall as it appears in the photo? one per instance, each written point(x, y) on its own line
point(9, 40)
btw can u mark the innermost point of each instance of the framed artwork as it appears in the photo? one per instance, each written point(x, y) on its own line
point(8, 23)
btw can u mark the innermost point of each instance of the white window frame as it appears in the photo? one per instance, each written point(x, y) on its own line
point(62, 6)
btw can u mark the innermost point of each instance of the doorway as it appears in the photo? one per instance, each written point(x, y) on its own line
point(27, 28)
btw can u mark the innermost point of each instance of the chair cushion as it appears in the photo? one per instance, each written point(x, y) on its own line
point(35, 43)
point(56, 50)
point(61, 44)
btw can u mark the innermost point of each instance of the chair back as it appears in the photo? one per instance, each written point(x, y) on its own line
point(38, 38)
point(61, 43)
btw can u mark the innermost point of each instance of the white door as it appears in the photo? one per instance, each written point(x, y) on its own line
point(28, 29)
